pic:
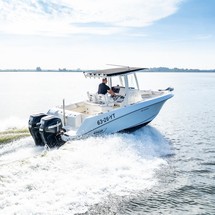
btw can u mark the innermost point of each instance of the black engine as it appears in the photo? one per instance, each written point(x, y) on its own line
point(46, 130)
point(34, 125)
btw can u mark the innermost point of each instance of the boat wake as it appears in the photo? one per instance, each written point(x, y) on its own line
point(80, 174)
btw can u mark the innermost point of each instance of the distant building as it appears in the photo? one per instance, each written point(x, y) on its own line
point(38, 69)
point(63, 70)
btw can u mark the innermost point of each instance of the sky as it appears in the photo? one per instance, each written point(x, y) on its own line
point(90, 34)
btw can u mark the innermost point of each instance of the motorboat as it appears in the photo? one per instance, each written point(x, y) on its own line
point(129, 109)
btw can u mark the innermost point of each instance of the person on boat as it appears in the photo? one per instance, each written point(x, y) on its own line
point(104, 88)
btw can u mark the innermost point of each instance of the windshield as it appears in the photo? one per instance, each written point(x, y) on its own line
point(117, 81)
point(132, 81)
point(120, 81)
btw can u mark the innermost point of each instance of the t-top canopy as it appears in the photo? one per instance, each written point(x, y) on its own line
point(112, 72)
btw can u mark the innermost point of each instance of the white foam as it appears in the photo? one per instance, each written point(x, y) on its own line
point(79, 174)
point(13, 123)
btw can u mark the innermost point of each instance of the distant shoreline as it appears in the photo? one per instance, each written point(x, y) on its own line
point(154, 69)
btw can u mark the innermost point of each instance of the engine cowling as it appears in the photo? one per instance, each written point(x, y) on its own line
point(34, 125)
point(50, 131)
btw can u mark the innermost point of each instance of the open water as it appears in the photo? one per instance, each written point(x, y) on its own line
point(167, 167)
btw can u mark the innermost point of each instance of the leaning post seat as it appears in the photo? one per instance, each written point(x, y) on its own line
point(92, 97)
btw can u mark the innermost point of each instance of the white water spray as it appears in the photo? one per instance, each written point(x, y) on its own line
point(80, 174)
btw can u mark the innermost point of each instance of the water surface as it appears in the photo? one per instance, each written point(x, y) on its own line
point(167, 167)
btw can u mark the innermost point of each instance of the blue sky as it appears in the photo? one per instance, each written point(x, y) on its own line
point(89, 34)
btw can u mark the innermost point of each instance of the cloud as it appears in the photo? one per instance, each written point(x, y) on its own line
point(126, 13)
point(60, 17)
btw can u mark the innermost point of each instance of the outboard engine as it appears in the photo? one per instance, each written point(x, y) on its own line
point(34, 125)
point(50, 131)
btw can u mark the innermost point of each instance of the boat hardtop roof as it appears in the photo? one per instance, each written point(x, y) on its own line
point(112, 72)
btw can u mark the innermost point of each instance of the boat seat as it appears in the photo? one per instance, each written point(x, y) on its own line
point(100, 99)
point(105, 100)
point(92, 97)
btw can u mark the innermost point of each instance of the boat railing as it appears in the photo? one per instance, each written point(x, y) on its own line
point(146, 94)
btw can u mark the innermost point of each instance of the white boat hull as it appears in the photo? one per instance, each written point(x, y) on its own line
point(129, 117)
